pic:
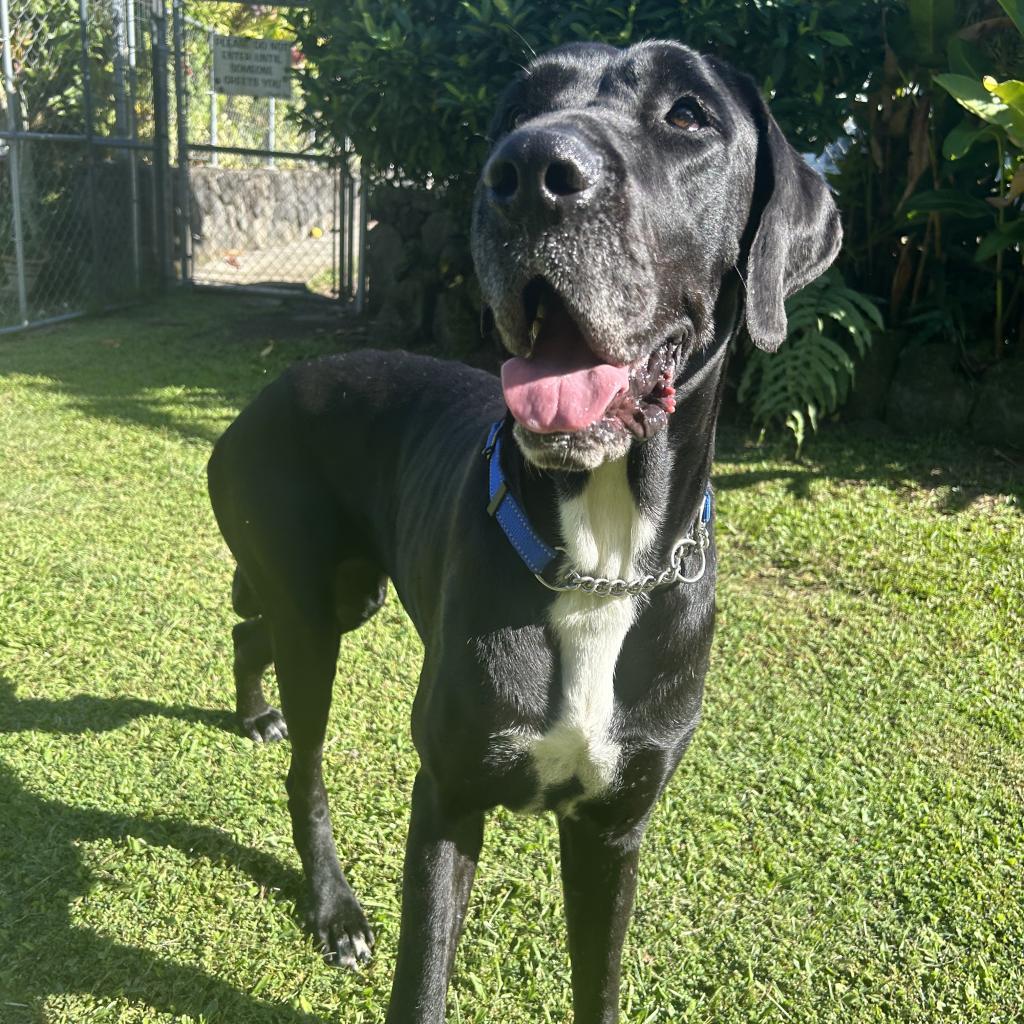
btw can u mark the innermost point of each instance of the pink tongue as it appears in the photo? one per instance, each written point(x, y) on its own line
point(563, 387)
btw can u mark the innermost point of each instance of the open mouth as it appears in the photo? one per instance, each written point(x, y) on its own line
point(562, 387)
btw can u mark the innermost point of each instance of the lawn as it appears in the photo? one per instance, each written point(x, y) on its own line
point(843, 842)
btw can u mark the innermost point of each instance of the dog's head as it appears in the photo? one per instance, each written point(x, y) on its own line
point(623, 186)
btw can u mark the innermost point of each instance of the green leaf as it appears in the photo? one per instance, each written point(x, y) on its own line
point(812, 415)
point(1011, 92)
point(403, 19)
point(1015, 9)
point(958, 142)
point(795, 422)
point(835, 38)
point(973, 96)
point(932, 21)
point(965, 58)
point(812, 373)
point(862, 302)
point(948, 200)
point(996, 241)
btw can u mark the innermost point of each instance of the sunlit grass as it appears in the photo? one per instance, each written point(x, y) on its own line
point(843, 842)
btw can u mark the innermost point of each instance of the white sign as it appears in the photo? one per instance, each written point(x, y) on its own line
point(252, 67)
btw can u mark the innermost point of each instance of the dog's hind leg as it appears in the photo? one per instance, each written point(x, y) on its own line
point(253, 654)
point(305, 653)
point(306, 634)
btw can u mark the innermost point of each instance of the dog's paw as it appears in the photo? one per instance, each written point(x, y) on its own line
point(268, 727)
point(344, 935)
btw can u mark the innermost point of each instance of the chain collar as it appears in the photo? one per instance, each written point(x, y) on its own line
point(673, 573)
point(538, 556)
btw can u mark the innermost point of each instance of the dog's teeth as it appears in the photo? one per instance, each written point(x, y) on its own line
point(538, 322)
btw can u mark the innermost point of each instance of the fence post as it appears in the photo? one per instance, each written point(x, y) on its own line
point(344, 203)
point(350, 234)
point(133, 165)
point(118, 14)
point(214, 161)
point(271, 128)
point(335, 212)
point(181, 109)
point(162, 156)
point(12, 163)
point(90, 154)
point(364, 189)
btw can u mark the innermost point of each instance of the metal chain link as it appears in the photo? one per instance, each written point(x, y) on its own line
point(77, 185)
point(604, 586)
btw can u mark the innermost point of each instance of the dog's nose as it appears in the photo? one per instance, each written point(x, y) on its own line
point(543, 170)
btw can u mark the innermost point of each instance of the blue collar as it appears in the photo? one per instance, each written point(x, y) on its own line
point(511, 518)
point(502, 506)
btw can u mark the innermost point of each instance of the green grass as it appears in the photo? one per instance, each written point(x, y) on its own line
point(843, 842)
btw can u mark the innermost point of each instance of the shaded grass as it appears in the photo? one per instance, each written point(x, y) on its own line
point(844, 841)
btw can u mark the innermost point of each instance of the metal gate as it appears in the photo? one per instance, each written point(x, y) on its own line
point(122, 170)
point(82, 219)
point(260, 208)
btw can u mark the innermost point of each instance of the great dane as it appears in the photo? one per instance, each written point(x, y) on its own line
point(550, 535)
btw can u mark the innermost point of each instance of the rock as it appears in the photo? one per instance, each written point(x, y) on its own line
point(873, 377)
point(456, 323)
point(999, 413)
point(400, 322)
point(386, 259)
point(434, 234)
point(405, 208)
point(245, 208)
point(928, 395)
point(456, 260)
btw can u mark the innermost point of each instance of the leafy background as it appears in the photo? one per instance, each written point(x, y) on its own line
point(916, 107)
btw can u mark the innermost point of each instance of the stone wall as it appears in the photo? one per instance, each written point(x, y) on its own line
point(253, 208)
point(938, 387)
point(422, 291)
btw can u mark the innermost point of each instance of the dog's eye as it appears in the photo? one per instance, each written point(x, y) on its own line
point(514, 118)
point(687, 115)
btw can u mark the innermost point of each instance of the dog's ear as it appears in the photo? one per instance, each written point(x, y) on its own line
point(797, 229)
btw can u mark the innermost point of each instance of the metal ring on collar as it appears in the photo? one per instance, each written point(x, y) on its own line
point(602, 586)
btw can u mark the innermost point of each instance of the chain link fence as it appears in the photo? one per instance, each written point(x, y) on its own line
point(123, 168)
point(78, 186)
point(264, 209)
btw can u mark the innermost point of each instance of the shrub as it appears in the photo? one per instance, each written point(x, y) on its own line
point(413, 83)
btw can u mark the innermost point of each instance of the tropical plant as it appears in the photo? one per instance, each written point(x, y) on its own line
point(811, 375)
point(996, 114)
point(413, 83)
point(927, 190)
point(930, 199)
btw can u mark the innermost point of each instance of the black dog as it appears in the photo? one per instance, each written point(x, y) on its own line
point(637, 206)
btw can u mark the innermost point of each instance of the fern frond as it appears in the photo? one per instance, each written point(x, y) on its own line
point(812, 374)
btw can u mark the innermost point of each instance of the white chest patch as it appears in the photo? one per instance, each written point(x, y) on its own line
point(604, 535)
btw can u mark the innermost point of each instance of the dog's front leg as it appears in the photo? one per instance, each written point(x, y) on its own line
point(440, 862)
point(599, 881)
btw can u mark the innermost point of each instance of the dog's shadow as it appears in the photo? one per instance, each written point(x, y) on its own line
point(42, 873)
